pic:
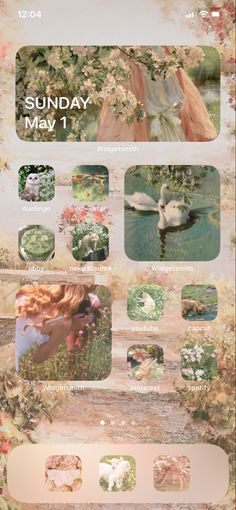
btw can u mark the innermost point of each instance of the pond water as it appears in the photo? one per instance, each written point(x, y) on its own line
point(199, 239)
point(209, 315)
point(210, 91)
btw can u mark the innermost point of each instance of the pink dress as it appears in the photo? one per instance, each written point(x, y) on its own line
point(194, 118)
point(111, 128)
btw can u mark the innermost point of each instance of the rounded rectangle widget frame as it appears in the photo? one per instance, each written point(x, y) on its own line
point(209, 473)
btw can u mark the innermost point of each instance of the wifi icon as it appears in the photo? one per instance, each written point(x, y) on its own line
point(204, 14)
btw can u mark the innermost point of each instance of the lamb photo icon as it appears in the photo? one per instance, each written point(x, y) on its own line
point(117, 474)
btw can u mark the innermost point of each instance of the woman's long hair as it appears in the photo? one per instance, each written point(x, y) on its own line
point(49, 301)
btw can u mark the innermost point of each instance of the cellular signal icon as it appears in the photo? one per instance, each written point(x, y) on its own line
point(190, 15)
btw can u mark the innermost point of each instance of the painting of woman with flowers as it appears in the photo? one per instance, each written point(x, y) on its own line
point(103, 93)
point(62, 332)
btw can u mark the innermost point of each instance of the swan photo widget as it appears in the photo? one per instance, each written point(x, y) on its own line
point(172, 212)
point(36, 183)
point(145, 94)
point(145, 362)
point(199, 302)
point(145, 302)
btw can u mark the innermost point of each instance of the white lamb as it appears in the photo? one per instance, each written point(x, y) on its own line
point(114, 473)
point(147, 303)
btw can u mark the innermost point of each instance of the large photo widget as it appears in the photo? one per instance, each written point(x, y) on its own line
point(117, 93)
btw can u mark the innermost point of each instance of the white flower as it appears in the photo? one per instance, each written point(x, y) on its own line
point(69, 72)
point(71, 137)
point(199, 374)
point(42, 74)
point(54, 59)
point(115, 53)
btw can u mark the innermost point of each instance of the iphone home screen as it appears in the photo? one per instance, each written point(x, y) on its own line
point(117, 255)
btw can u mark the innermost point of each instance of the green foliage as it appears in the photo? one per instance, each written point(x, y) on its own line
point(186, 179)
point(209, 68)
point(47, 180)
point(178, 177)
point(213, 108)
point(23, 405)
point(129, 481)
point(135, 306)
point(92, 362)
point(81, 230)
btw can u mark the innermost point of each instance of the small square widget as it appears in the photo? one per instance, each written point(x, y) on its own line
point(145, 362)
point(199, 362)
point(90, 183)
point(171, 474)
point(63, 473)
point(117, 473)
point(145, 302)
point(36, 183)
point(36, 243)
point(199, 302)
point(90, 242)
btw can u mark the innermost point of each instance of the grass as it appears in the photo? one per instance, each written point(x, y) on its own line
point(129, 481)
point(135, 307)
point(207, 73)
point(209, 68)
point(214, 113)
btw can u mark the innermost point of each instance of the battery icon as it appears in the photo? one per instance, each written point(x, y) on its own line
point(215, 14)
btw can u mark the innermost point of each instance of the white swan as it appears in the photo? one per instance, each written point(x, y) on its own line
point(172, 211)
point(172, 217)
point(162, 200)
point(162, 223)
point(141, 202)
